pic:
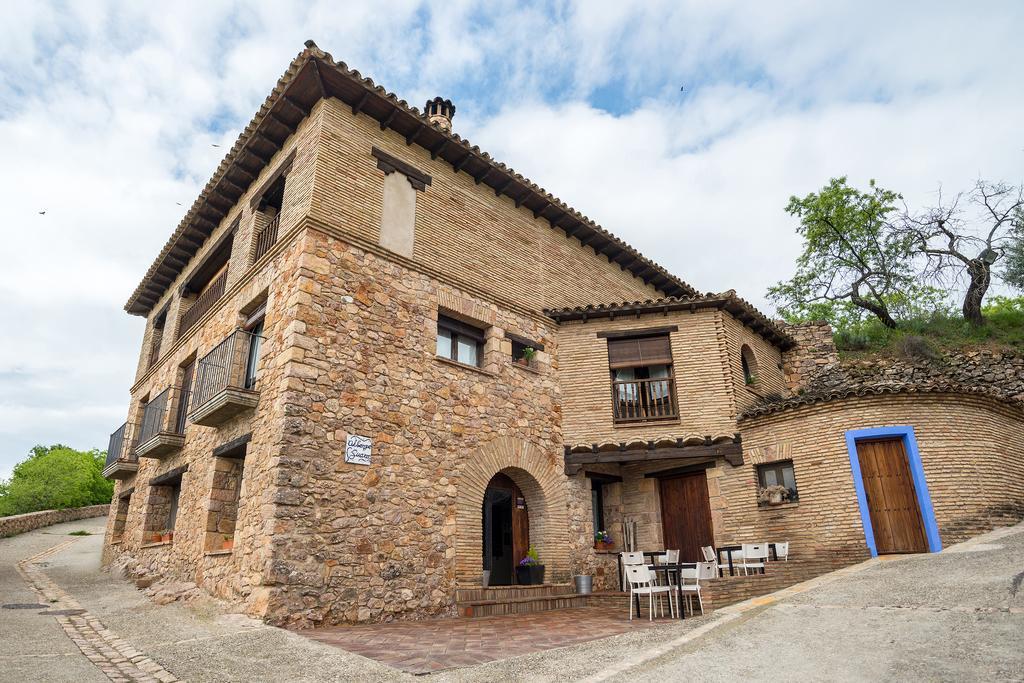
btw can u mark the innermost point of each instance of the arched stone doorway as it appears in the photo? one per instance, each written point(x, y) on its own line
point(543, 488)
point(506, 529)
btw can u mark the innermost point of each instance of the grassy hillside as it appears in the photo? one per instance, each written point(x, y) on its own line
point(936, 333)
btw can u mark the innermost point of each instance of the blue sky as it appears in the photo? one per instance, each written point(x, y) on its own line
point(109, 113)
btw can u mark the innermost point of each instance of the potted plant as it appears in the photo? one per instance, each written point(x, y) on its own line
point(529, 353)
point(167, 535)
point(228, 543)
point(530, 571)
point(603, 541)
point(773, 495)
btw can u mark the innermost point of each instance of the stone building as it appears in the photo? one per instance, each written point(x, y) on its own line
point(378, 364)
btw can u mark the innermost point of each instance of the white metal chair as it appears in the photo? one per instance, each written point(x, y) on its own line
point(754, 556)
point(628, 559)
point(707, 570)
point(711, 557)
point(689, 585)
point(668, 557)
point(641, 582)
point(782, 551)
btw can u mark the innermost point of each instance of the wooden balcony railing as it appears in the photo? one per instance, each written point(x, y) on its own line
point(267, 237)
point(119, 446)
point(202, 304)
point(644, 399)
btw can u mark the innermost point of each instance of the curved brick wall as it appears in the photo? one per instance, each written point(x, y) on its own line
point(972, 451)
point(19, 524)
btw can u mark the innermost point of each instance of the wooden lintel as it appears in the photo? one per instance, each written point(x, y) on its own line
point(358, 106)
point(730, 451)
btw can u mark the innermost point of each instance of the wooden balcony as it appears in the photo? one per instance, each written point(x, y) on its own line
point(121, 462)
point(644, 400)
point(162, 432)
point(225, 380)
point(202, 304)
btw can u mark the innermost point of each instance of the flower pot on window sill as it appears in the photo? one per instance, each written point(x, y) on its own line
point(604, 545)
point(227, 544)
point(775, 499)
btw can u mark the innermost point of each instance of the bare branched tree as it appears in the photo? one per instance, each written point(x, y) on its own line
point(965, 238)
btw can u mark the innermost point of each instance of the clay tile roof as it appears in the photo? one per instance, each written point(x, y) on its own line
point(314, 75)
point(740, 308)
point(811, 398)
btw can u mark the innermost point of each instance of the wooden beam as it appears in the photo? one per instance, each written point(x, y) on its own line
point(389, 118)
point(269, 140)
point(501, 188)
point(479, 179)
point(457, 166)
point(411, 138)
point(440, 148)
point(280, 121)
point(238, 188)
point(730, 451)
point(297, 106)
point(358, 106)
point(249, 176)
point(522, 198)
point(319, 79)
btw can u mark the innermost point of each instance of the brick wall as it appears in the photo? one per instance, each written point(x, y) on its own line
point(19, 524)
point(972, 451)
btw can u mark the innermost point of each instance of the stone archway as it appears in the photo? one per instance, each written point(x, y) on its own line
point(543, 486)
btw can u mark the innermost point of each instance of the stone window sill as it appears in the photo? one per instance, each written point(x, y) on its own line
point(117, 541)
point(784, 506)
point(156, 544)
point(215, 553)
point(463, 366)
point(526, 368)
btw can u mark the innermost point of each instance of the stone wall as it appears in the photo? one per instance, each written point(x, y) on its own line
point(19, 524)
point(814, 352)
point(361, 543)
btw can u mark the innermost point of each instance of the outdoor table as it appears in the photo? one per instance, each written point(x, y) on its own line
point(729, 549)
point(668, 568)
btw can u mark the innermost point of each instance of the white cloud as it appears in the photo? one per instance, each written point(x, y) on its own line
point(109, 113)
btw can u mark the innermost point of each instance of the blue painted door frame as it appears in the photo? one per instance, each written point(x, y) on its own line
point(924, 499)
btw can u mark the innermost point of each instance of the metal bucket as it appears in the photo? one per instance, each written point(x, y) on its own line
point(584, 584)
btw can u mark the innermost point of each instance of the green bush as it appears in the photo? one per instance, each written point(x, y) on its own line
point(54, 478)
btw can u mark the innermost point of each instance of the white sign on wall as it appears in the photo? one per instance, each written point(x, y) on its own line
point(357, 449)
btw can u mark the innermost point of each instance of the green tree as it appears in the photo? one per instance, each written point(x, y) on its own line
point(1013, 273)
point(851, 255)
point(55, 477)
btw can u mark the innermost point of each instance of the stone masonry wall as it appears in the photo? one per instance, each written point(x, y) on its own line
point(972, 450)
point(362, 543)
point(19, 524)
point(813, 353)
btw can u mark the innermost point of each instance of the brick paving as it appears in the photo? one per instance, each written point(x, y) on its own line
point(115, 657)
point(426, 646)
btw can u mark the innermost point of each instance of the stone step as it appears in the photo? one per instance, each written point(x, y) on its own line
point(498, 593)
point(527, 605)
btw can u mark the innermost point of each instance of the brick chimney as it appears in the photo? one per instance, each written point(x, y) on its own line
point(441, 112)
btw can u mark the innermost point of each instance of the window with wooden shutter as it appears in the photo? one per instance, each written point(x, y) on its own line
point(643, 382)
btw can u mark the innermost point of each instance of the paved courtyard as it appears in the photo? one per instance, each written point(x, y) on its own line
point(426, 646)
point(958, 615)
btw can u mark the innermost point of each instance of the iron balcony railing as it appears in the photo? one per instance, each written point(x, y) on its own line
point(202, 304)
point(644, 399)
point(161, 416)
point(230, 365)
point(120, 447)
point(267, 237)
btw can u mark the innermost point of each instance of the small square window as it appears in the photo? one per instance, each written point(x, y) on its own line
point(459, 341)
point(776, 474)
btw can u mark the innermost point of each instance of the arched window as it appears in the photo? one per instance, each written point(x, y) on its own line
point(749, 365)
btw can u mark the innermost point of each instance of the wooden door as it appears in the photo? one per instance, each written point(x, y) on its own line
point(506, 529)
point(686, 515)
point(892, 503)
